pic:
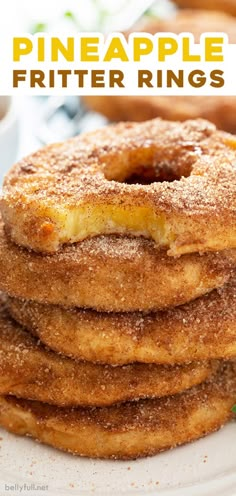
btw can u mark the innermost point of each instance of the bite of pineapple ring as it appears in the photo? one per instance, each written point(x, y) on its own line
point(169, 181)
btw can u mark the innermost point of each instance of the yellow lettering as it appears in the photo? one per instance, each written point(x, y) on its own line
point(21, 46)
point(187, 56)
point(142, 46)
point(167, 46)
point(116, 51)
point(89, 49)
point(66, 51)
point(213, 49)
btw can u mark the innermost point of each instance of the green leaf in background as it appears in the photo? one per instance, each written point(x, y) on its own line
point(69, 15)
point(101, 18)
point(102, 12)
point(234, 409)
point(150, 13)
point(40, 27)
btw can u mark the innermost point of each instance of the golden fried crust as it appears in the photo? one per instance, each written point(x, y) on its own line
point(74, 190)
point(131, 274)
point(29, 370)
point(221, 109)
point(228, 6)
point(201, 330)
point(129, 430)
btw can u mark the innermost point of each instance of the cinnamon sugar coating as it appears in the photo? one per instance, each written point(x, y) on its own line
point(204, 329)
point(29, 370)
point(129, 430)
point(111, 273)
point(73, 190)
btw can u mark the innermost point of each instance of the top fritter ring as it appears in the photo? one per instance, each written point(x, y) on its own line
point(170, 181)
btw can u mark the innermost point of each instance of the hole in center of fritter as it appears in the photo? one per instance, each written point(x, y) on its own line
point(149, 175)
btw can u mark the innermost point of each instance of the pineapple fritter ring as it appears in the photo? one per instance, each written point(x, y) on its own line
point(218, 109)
point(131, 274)
point(169, 181)
point(204, 329)
point(29, 370)
point(128, 430)
point(216, 5)
point(221, 110)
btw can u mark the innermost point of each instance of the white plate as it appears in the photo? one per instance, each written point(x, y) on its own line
point(204, 468)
